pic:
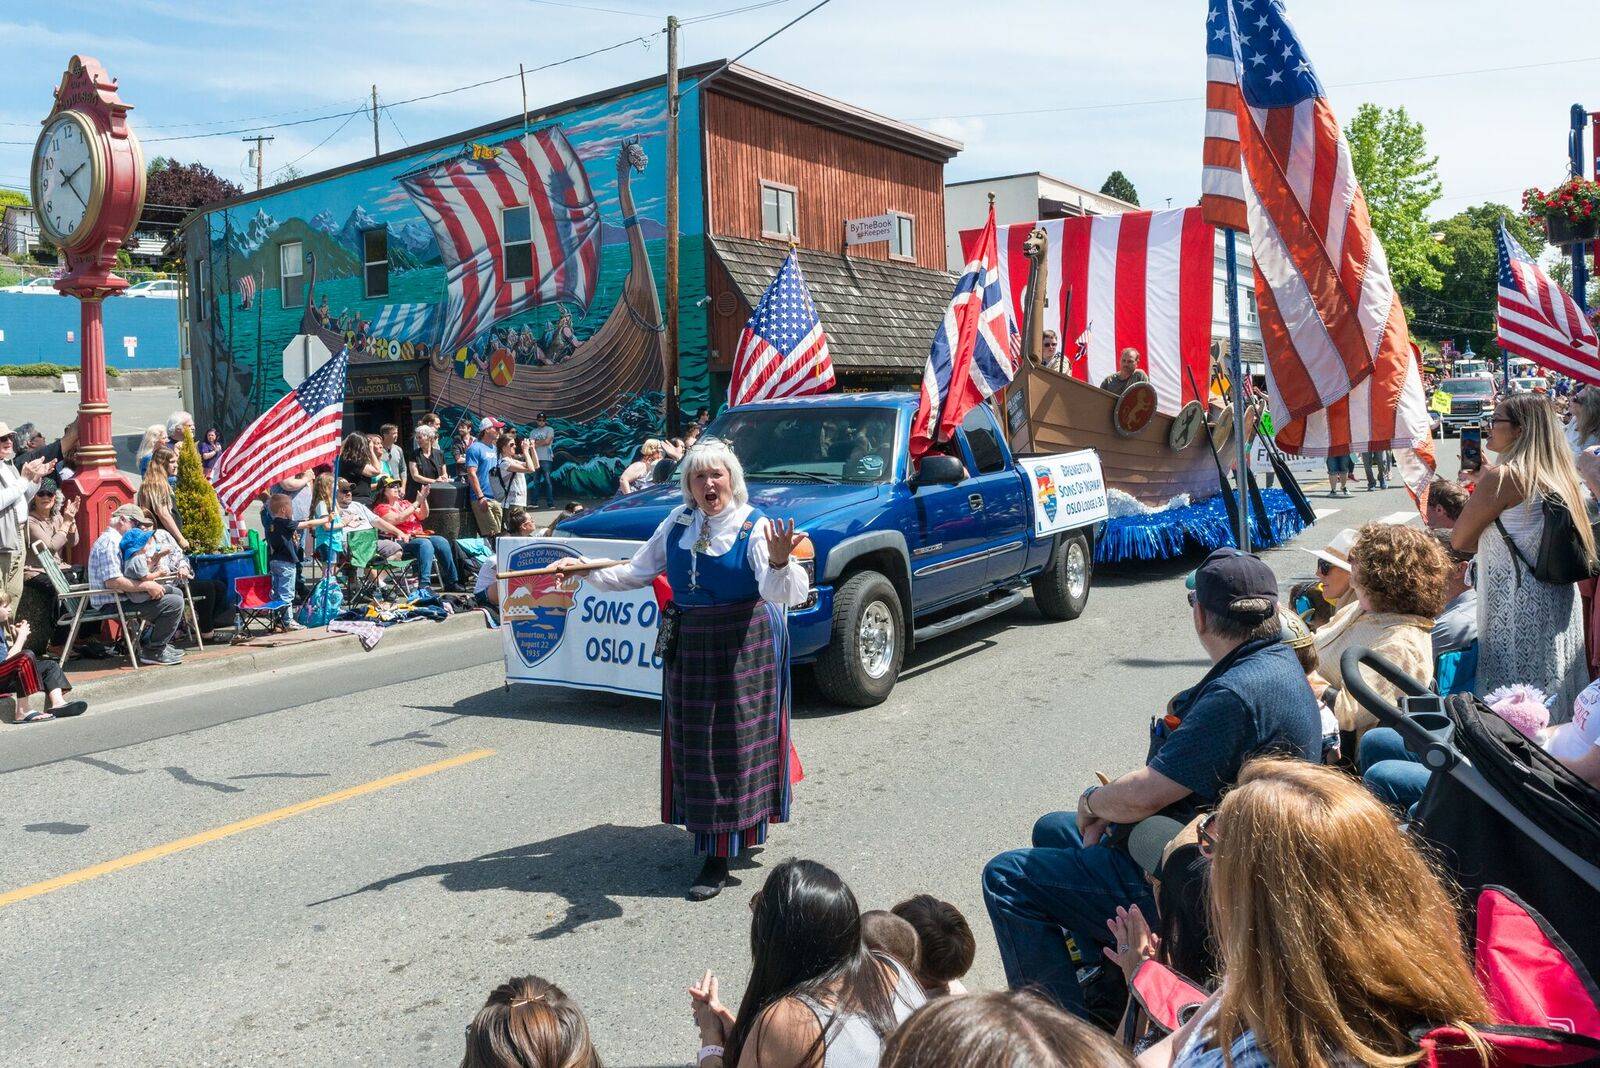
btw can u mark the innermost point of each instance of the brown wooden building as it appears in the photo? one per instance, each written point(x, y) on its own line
point(780, 160)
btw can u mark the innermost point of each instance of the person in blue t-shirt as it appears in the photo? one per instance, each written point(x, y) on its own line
point(480, 460)
point(1254, 700)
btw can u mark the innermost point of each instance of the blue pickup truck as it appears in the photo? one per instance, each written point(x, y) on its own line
point(901, 555)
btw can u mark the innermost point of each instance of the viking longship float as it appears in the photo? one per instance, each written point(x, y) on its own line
point(1149, 455)
point(463, 201)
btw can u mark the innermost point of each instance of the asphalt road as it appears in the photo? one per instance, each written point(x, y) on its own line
point(201, 912)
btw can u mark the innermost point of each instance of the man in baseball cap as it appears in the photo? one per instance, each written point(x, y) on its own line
point(479, 463)
point(1078, 872)
point(148, 601)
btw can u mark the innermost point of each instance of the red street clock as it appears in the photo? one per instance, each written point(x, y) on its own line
point(88, 190)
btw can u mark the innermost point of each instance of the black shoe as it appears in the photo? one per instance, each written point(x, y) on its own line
point(162, 657)
point(712, 878)
point(71, 708)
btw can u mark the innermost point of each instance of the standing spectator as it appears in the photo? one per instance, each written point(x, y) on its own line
point(155, 493)
point(283, 557)
point(1002, 1029)
point(478, 466)
point(1127, 373)
point(148, 600)
point(393, 456)
point(425, 548)
point(57, 452)
point(155, 437)
point(460, 442)
point(510, 476)
point(210, 452)
point(1340, 468)
point(359, 464)
point(529, 1023)
point(1378, 460)
point(1528, 631)
point(1446, 499)
point(57, 532)
point(427, 462)
point(1340, 957)
point(543, 437)
point(1255, 699)
point(177, 423)
point(17, 490)
point(817, 996)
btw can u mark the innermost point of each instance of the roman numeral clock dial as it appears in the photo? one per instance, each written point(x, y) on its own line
point(64, 179)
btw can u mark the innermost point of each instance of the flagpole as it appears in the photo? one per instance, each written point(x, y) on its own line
point(1580, 268)
point(1240, 430)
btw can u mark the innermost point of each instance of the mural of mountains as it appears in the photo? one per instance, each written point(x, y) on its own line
point(254, 251)
point(411, 244)
point(612, 234)
point(416, 237)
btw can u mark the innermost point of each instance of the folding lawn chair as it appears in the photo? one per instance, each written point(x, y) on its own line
point(257, 607)
point(76, 609)
point(370, 574)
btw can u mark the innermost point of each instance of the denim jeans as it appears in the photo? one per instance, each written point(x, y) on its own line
point(283, 572)
point(539, 478)
point(426, 550)
point(1389, 769)
point(1037, 896)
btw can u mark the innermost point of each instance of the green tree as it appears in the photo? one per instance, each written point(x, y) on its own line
point(1389, 153)
point(1117, 185)
point(195, 502)
point(1462, 306)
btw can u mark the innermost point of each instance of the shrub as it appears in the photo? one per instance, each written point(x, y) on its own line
point(46, 370)
point(195, 502)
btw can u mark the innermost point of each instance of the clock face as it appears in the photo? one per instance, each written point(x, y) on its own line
point(64, 179)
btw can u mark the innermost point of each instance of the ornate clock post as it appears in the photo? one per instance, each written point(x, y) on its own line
point(88, 190)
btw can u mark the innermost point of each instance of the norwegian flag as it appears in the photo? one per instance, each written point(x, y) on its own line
point(971, 357)
point(1340, 371)
point(783, 351)
point(1537, 318)
point(295, 434)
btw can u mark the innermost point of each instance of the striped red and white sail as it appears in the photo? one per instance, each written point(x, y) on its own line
point(466, 202)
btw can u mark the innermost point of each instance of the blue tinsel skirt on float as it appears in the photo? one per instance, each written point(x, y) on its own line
point(1173, 531)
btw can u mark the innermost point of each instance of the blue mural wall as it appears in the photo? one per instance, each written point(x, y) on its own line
point(582, 340)
point(36, 328)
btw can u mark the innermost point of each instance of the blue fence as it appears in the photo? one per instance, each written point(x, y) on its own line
point(36, 330)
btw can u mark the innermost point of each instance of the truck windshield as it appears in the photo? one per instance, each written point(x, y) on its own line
point(1470, 387)
point(824, 444)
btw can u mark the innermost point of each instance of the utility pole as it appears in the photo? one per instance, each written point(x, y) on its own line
point(376, 151)
point(259, 155)
point(671, 377)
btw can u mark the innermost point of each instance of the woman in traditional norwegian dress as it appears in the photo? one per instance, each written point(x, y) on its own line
point(725, 751)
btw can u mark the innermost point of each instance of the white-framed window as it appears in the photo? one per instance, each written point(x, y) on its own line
point(1247, 304)
point(375, 262)
point(903, 242)
point(202, 289)
point(516, 236)
point(778, 211)
point(292, 274)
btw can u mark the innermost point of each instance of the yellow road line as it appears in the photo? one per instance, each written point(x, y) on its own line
point(94, 871)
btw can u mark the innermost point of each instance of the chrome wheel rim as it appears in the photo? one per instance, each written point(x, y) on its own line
point(1077, 570)
point(875, 639)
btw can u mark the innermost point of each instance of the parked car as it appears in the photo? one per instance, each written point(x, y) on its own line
point(1470, 400)
point(41, 286)
point(1531, 384)
point(902, 554)
point(164, 288)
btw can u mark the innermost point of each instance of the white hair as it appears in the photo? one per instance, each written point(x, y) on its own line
point(175, 424)
point(709, 453)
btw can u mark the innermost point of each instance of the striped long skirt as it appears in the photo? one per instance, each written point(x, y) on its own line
point(725, 726)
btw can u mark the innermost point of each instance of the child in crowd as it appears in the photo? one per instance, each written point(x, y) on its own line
point(888, 934)
point(945, 945)
point(143, 557)
point(529, 1023)
point(283, 557)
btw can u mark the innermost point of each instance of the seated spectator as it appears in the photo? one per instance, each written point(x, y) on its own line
point(888, 935)
point(352, 516)
point(143, 559)
point(486, 588)
point(149, 601)
point(1455, 631)
point(47, 675)
point(211, 607)
point(1446, 499)
point(1576, 743)
point(57, 531)
point(1009, 1029)
point(817, 995)
point(1317, 601)
point(283, 557)
point(945, 946)
point(1298, 637)
point(1342, 964)
point(1254, 699)
point(529, 1023)
point(419, 545)
point(1398, 575)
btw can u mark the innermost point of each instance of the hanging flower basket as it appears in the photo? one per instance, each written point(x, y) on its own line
point(1570, 212)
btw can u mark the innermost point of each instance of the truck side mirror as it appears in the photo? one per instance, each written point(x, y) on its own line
point(940, 470)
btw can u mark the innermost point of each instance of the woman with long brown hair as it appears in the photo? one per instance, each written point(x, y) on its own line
point(1336, 938)
point(529, 1023)
point(1529, 631)
point(1000, 1029)
point(155, 493)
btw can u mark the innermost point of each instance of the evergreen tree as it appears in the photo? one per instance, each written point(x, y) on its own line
point(199, 513)
point(1117, 185)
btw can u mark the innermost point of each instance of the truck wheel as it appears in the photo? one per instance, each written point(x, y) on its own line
point(862, 661)
point(1062, 589)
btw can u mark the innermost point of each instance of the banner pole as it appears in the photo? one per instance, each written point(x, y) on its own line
point(1236, 370)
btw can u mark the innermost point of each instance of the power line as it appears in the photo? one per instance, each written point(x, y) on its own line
point(693, 19)
point(701, 82)
point(389, 113)
point(601, 10)
point(319, 144)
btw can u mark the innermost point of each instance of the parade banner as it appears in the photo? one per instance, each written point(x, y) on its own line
point(558, 630)
point(1068, 490)
point(1302, 467)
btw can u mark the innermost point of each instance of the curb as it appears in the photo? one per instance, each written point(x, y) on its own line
point(163, 681)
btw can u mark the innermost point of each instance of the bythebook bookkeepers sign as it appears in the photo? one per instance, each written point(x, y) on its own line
point(559, 630)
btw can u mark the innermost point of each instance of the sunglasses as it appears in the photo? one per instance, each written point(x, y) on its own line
point(1208, 839)
point(1324, 568)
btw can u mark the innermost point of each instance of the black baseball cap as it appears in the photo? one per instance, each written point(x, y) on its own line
point(1233, 583)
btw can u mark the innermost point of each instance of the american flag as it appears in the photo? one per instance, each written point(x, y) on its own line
point(1340, 370)
point(1537, 318)
point(971, 357)
point(783, 351)
point(1146, 276)
point(297, 433)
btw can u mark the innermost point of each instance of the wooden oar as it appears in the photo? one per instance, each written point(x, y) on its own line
point(585, 566)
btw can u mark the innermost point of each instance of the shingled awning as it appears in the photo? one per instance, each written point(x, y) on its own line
point(880, 316)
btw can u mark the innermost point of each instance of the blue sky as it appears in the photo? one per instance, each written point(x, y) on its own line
point(1109, 85)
